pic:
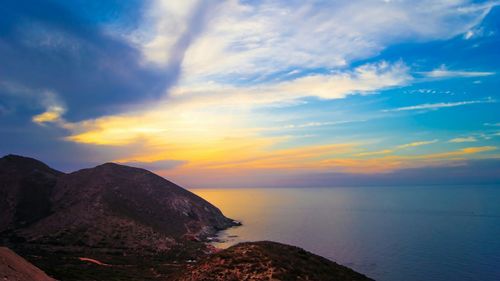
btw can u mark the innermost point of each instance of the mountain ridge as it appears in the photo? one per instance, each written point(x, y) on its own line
point(90, 207)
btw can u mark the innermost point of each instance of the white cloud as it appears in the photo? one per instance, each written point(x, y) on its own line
point(443, 72)
point(54, 110)
point(492, 124)
point(212, 113)
point(465, 139)
point(319, 124)
point(52, 114)
point(35, 99)
point(432, 106)
point(364, 80)
point(243, 43)
point(165, 23)
point(477, 33)
point(250, 39)
point(417, 143)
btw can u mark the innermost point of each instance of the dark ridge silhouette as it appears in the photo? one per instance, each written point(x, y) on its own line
point(109, 206)
point(25, 188)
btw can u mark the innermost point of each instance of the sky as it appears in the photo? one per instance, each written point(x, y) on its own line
point(255, 92)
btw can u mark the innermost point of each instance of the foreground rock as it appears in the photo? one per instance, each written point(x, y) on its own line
point(15, 268)
point(109, 206)
point(268, 261)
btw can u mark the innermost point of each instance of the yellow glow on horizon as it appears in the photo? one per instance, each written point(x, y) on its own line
point(225, 141)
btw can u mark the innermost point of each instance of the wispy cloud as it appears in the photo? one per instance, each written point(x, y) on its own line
point(319, 124)
point(364, 79)
point(205, 117)
point(372, 153)
point(52, 114)
point(395, 149)
point(458, 153)
point(433, 106)
point(417, 143)
point(477, 32)
point(46, 100)
point(246, 40)
point(443, 72)
point(492, 124)
point(460, 140)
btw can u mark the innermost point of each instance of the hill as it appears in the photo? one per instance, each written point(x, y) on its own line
point(265, 260)
point(108, 206)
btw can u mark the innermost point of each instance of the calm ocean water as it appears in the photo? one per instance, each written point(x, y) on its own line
point(433, 233)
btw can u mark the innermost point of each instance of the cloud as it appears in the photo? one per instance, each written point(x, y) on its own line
point(460, 140)
point(187, 20)
point(165, 24)
point(251, 40)
point(52, 114)
point(182, 87)
point(318, 124)
point(371, 153)
point(206, 41)
point(283, 166)
point(20, 97)
point(399, 147)
point(364, 79)
point(443, 72)
point(477, 33)
point(458, 153)
point(417, 143)
point(217, 115)
point(54, 109)
point(94, 71)
point(434, 106)
point(492, 124)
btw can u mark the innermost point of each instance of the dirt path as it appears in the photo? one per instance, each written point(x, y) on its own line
point(94, 261)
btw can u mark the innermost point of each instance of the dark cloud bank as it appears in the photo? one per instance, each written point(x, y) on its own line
point(45, 45)
point(62, 47)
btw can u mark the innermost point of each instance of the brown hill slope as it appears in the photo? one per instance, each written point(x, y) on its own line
point(109, 206)
point(15, 268)
point(259, 261)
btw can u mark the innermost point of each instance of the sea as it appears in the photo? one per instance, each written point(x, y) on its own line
point(397, 233)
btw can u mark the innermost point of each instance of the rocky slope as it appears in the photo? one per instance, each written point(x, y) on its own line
point(109, 206)
point(259, 261)
point(15, 268)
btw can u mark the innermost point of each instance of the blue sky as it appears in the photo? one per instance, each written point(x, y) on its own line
point(256, 93)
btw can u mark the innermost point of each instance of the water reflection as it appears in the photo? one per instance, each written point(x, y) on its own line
point(390, 233)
